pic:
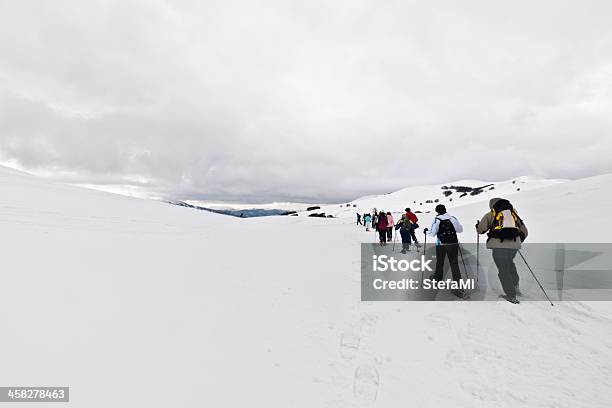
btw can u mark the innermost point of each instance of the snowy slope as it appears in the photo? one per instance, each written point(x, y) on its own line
point(564, 212)
point(417, 197)
point(136, 303)
point(554, 210)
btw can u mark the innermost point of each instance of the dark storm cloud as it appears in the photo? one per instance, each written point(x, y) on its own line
point(242, 100)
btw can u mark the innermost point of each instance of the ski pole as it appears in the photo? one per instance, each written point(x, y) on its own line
point(534, 277)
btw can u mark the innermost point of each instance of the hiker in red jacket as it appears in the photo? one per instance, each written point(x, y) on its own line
point(382, 227)
point(413, 219)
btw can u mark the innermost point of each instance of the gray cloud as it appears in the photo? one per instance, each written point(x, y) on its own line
point(257, 101)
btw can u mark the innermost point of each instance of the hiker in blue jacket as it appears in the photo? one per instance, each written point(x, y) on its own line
point(366, 221)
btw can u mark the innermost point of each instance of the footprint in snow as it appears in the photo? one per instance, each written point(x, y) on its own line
point(365, 385)
point(367, 325)
point(349, 345)
point(565, 325)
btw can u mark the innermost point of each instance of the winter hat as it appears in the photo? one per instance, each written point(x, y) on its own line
point(493, 201)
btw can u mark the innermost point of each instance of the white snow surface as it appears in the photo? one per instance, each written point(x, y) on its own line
point(136, 303)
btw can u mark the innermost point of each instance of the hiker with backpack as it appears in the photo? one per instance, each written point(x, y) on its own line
point(445, 228)
point(506, 231)
point(358, 219)
point(390, 224)
point(367, 219)
point(405, 227)
point(413, 219)
point(382, 228)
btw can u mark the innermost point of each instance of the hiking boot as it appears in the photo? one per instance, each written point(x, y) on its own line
point(460, 293)
point(511, 299)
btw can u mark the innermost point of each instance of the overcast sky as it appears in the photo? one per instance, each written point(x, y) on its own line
point(304, 100)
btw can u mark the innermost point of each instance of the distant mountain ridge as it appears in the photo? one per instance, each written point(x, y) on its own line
point(240, 213)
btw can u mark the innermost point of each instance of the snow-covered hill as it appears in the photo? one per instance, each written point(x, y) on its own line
point(424, 198)
point(555, 210)
point(136, 303)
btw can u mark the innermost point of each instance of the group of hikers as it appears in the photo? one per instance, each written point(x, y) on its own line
point(505, 229)
point(384, 223)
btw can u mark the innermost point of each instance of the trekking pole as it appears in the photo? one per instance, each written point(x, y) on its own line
point(394, 232)
point(477, 249)
point(534, 277)
point(424, 248)
point(463, 261)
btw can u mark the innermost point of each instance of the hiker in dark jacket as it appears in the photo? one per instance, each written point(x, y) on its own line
point(445, 228)
point(381, 227)
point(405, 226)
point(506, 231)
